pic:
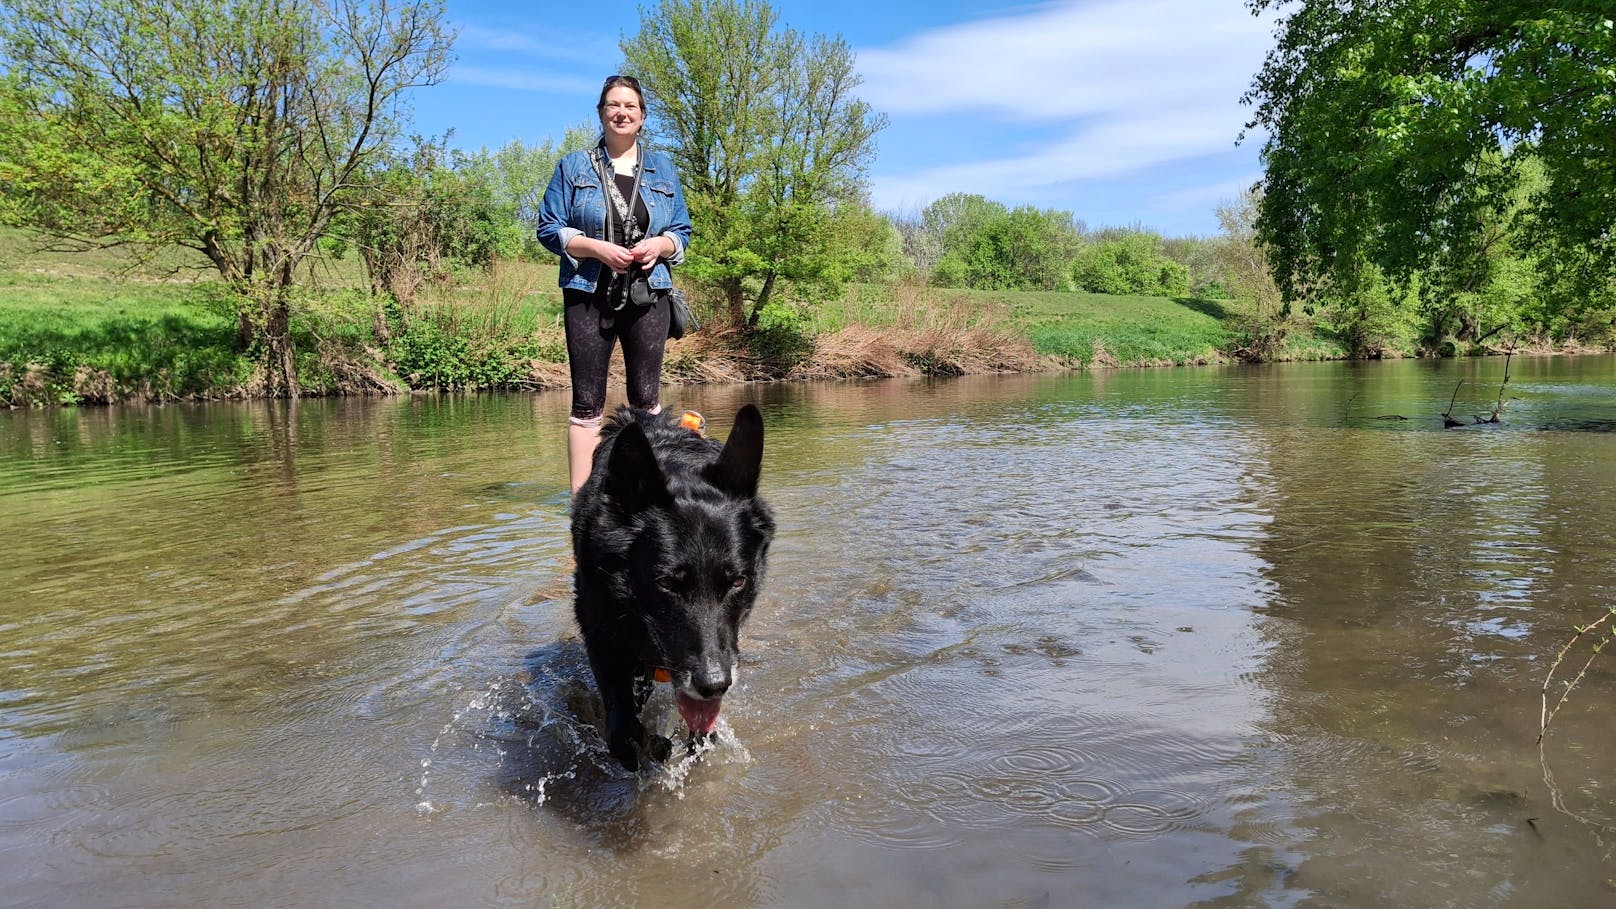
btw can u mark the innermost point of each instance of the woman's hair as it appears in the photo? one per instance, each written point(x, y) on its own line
point(612, 82)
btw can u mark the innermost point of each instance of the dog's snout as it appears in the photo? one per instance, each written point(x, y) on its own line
point(711, 679)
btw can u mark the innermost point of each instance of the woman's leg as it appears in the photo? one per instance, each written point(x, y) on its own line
point(582, 439)
point(645, 338)
point(589, 354)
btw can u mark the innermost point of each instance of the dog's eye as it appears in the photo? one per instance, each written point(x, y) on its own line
point(738, 582)
point(669, 582)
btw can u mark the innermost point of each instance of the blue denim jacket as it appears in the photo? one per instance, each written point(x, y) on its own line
point(574, 204)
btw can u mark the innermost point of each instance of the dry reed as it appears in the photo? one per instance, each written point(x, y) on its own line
point(927, 334)
point(919, 332)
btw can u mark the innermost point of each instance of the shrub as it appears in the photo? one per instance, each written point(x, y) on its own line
point(1132, 264)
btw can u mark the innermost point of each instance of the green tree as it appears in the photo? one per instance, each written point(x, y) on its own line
point(955, 219)
point(1202, 261)
point(1397, 130)
point(869, 246)
point(237, 128)
point(955, 226)
point(1129, 262)
point(516, 173)
point(988, 246)
point(421, 219)
point(768, 136)
point(1264, 317)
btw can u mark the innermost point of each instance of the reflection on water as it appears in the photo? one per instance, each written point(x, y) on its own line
point(1212, 637)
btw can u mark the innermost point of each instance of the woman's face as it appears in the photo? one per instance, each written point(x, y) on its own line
point(621, 114)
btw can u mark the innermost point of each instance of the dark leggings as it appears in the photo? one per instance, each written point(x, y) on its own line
point(643, 331)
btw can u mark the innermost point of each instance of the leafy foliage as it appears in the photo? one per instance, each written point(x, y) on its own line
point(236, 128)
point(420, 220)
point(514, 176)
point(1403, 136)
point(1265, 318)
point(770, 141)
point(1132, 262)
point(987, 246)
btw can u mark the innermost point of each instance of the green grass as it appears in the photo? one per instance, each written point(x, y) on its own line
point(1073, 327)
point(1308, 346)
point(104, 325)
point(100, 325)
point(1132, 330)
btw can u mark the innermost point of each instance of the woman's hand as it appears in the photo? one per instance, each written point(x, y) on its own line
point(615, 257)
point(648, 251)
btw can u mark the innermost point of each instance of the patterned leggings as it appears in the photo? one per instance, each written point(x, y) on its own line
point(643, 331)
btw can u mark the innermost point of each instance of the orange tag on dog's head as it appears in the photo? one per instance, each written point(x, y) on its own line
point(693, 421)
point(661, 675)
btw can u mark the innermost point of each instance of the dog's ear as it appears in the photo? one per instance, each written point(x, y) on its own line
point(633, 478)
point(739, 464)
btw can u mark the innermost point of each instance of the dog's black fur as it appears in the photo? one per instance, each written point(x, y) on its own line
point(671, 542)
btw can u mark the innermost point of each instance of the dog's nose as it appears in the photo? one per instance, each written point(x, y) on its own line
point(711, 680)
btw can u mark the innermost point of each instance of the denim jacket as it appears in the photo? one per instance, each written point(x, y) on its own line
point(574, 204)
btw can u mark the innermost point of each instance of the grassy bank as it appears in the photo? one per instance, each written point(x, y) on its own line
point(79, 328)
point(1070, 329)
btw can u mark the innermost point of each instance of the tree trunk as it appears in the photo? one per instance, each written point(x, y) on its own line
point(762, 301)
point(733, 293)
point(279, 352)
point(245, 335)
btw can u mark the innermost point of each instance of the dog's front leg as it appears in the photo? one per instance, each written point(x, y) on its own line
point(624, 731)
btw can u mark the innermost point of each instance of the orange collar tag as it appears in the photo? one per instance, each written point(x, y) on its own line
point(661, 675)
point(693, 421)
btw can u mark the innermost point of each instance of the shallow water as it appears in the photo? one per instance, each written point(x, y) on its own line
point(1184, 637)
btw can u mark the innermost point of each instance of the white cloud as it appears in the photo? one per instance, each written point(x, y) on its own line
point(523, 80)
point(498, 39)
point(1124, 85)
point(1208, 196)
point(1073, 59)
point(597, 51)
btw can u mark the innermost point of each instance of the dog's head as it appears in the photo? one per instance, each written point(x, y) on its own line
point(695, 538)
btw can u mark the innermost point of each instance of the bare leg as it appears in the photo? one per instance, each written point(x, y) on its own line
point(581, 442)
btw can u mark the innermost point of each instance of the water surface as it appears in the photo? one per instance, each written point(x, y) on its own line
point(1184, 637)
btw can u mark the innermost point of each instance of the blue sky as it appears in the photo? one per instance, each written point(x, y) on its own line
point(1120, 111)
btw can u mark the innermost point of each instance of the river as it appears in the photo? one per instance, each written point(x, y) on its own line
point(1223, 636)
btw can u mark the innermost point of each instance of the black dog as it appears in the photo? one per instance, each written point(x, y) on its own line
point(671, 540)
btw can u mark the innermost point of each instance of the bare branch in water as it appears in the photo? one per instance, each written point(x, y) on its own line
point(1447, 416)
point(1499, 407)
point(1607, 635)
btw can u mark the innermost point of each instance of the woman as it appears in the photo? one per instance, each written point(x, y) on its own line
point(616, 246)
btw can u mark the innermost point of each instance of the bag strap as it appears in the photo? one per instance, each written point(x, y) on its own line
point(608, 179)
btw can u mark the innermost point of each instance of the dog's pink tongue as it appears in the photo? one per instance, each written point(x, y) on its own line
point(700, 716)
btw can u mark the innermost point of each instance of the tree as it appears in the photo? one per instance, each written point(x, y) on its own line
point(769, 139)
point(1202, 260)
point(956, 218)
point(1398, 130)
point(988, 246)
point(237, 128)
point(1129, 262)
point(1264, 318)
point(421, 219)
point(517, 173)
point(867, 246)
